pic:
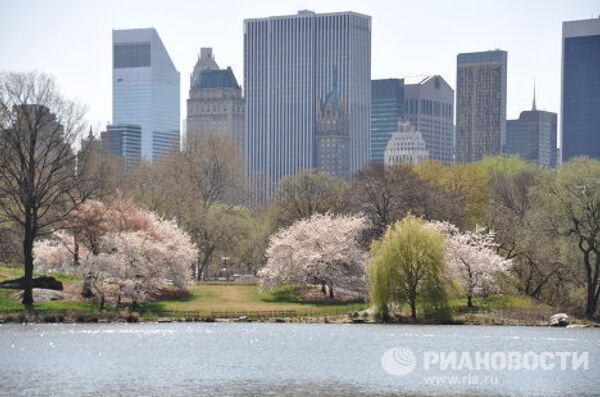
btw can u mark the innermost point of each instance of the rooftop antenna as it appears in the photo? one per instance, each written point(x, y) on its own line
point(534, 108)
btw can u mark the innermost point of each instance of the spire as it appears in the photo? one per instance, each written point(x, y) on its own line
point(534, 108)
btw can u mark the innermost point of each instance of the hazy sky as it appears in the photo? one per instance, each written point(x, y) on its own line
point(72, 39)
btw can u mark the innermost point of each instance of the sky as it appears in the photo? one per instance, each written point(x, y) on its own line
point(71, 39)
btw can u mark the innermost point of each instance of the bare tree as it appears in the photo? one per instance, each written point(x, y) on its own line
point(38, 173)
point(308, 192)
point(387, 194)
point(200, 187)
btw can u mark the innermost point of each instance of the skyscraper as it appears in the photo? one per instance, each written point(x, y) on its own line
point(581, 88)
point(480, 104)
point(429, 107)
point(387, 109)
point(289, 64)
point(124, 141)
point(215, 103)
point(146, 89)
point(533, 136)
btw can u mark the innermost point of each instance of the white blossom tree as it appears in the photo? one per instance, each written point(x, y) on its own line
point(473, 260)
point(321, 250)
point(128, 247)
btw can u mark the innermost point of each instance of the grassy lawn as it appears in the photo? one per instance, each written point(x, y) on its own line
point(499, 301)
point(205, 298)
point(248, 298)
point(8, 302)
point(214, 298)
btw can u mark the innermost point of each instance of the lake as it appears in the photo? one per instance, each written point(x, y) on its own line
point(242, 359)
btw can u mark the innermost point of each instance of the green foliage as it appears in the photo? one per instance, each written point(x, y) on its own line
point(509, 165)
point(464, 190)
point(283, 293)
point(408, 266)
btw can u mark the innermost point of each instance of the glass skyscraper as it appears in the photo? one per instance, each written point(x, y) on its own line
point(387, 109)
point(289, 66)
point(124, 141)
point(480, 104)
point(146, 89)
point(581, 89)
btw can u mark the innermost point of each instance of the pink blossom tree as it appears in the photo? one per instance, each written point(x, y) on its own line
point(120, 245)
point(322, 250)
point(473, 260)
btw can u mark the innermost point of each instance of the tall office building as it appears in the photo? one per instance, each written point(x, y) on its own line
point(387, 109)
point(533, 136)
point(146, 89)
point(581, 89)
point(215, 103)
point(429, 107)
point(480, 104)
point(289, 64)
point(124, 141)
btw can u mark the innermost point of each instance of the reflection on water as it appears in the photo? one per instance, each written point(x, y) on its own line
point(278, 359)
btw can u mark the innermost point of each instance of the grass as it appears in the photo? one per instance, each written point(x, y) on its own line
point(219, 298)
point(205, 298)
point(8, 301)
point(241, 298)
point(498, 301)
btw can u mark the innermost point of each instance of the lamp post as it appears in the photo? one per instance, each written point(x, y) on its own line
point(224, 260)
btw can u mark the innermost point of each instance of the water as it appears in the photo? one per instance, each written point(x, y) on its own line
point(283, 359)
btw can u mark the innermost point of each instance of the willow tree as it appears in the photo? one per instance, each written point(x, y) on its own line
point(39, 183)
point(407, 266)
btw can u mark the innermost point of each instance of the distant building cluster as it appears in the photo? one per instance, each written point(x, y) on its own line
point(309, 102)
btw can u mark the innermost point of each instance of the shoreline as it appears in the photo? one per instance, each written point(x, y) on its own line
point(67, 317)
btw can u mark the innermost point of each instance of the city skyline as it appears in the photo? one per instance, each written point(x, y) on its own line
point(189, 26)
point(290, 64)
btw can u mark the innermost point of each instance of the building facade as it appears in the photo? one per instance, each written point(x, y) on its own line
point(146, 89)
point(387, 109)
point(289, 63)
point(332, 146)
point(406, 146)
point(480, 104)
point(533, 136)
point(124, 141)
point(215, 103)
point(580, 121)
point(429, 107)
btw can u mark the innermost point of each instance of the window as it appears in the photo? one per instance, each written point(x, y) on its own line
point(134, 55)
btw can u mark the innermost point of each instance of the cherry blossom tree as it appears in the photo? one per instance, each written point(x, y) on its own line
point(121, 245)
point(473, 260)
point(322, 250)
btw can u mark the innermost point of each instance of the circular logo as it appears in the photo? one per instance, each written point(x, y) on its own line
point(398, 361)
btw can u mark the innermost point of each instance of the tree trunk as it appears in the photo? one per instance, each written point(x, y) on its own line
point(203, 269)
point(413, 308)
point(323, 289)
point(28, 264)
point(592, 271)
point(469, 300)
point(86, 290)
point(331, 292)
point(592, 300)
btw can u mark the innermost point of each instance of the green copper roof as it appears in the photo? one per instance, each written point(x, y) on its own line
point(223, 78)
